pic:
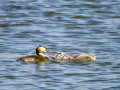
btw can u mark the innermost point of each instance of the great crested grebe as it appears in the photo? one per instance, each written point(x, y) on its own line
point(38, 57)
point(76, 57)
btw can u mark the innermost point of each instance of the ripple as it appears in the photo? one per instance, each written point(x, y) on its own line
point(69, 26)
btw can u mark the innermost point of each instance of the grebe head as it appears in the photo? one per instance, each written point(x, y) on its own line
point(42, 49)
point(60, 55)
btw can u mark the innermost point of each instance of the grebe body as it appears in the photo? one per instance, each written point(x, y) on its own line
point(76, 57)
point(38, 57)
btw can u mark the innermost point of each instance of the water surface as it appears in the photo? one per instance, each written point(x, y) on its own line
point(70, 26)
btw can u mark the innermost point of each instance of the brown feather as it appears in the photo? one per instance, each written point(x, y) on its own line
point(38, 57)
point(33, 58)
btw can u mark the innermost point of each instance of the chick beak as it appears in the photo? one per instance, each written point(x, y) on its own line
point(55, 56)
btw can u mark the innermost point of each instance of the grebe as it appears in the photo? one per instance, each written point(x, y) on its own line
point(38, 57)
point(76, 57)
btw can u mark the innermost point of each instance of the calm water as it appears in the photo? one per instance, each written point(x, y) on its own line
point(70, 26)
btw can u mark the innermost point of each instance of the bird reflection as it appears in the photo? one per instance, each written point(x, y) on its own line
point(41, 65)
point(40, 68)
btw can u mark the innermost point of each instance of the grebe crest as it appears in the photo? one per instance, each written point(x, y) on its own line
point(42, 49)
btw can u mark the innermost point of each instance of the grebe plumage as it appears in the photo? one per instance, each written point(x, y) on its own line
point(38, 57)
point(76, 57)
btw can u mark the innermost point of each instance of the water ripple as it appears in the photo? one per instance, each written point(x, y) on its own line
point(87, 26)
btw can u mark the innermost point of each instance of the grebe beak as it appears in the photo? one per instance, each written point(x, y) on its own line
point(49, 52)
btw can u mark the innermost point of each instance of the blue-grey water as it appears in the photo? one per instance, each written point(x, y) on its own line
point(70, 26)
